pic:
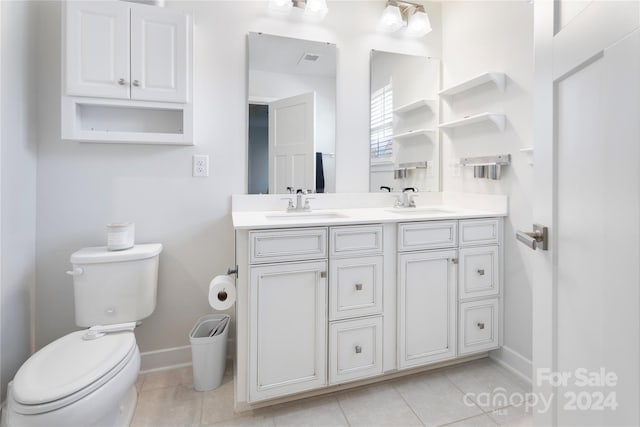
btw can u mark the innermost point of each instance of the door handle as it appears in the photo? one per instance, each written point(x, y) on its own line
point(538, 238)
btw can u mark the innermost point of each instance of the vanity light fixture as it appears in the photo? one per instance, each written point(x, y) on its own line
point(411, 16)
point(312, 8)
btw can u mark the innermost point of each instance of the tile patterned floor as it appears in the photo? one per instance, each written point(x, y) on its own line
point(167, 398)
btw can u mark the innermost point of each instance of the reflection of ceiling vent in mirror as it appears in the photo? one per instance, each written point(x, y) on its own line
point(308, 57)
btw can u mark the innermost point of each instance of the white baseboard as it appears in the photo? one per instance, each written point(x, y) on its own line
point(175, 357)
point(514, 362)
point(167, 358)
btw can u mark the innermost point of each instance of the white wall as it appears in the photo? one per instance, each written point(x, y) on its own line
point(495, 36)
point(17, 184)
point(81, 187)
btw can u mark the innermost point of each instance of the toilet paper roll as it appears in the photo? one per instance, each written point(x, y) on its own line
point(222, 292)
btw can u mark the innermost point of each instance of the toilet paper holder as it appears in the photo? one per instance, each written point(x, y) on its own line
point(233, 271)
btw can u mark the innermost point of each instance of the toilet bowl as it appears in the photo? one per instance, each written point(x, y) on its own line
point(87, 378)
point(77, 382)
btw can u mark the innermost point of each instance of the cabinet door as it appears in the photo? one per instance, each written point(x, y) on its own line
point(159, 53)
point(97, 49)
point(288, 329)
point(426, 307)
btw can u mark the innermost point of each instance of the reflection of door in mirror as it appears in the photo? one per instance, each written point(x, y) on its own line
point(291, 99)
point(292, 149)
point(404, 137)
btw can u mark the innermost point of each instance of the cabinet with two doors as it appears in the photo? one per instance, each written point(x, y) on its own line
point(127, 72)
point(315, 311)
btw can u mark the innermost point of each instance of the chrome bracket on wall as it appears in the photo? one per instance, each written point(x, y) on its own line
point(487, 166)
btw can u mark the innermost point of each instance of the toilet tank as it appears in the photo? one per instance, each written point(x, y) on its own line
point(115, 286)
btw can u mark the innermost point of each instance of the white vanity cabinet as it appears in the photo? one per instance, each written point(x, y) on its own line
point(287, 313)
point(126, 51)
point(426, 292)
point(331, 304)
point(355, 302)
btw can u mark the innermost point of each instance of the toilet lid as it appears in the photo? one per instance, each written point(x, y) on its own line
point(68, 365)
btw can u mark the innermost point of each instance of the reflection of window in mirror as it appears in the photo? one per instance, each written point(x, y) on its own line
point(404, 139)
point(381, 136)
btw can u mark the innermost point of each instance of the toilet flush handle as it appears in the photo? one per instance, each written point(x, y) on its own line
point(101, 330)
point(75, 272)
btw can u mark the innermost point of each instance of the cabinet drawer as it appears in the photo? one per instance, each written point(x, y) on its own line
point(360, 240)
point(478, 326)
point(288, 245)
point(355, 349)
point(355, 287)
point(479, 271)
point(479, 231)
point(427, 235)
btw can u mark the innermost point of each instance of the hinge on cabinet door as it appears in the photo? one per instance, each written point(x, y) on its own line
point(454, 260)
point(323, 274)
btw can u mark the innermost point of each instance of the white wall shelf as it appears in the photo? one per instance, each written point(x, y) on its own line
point(495, 77)
point(122, 121)
point(417, 132)
point(497, 119)
point(420, 103)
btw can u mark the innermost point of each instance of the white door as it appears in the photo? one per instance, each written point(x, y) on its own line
point(288, 329)
point(292, 161)
point(427, 307)
point(586, 299)
point(159, 48)
point(97, 49)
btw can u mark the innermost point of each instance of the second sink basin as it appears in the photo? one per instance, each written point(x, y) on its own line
point(421, 211)
point(313, 215)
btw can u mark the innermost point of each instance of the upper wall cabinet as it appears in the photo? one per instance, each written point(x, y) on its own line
point(127, 74)
point(122, 50)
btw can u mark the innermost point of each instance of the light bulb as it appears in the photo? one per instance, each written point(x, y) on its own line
point(391, 19)
point(316, 8)
point(419, 24)
point(280, 6)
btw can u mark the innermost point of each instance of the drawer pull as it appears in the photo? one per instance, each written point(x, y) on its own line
point(358, 286)
point(481, 271)
point(480, 325)
point(358, 349)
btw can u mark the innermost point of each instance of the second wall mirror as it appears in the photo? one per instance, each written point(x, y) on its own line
point(404, 137)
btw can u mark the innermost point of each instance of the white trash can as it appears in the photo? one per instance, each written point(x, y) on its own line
point(208, 353)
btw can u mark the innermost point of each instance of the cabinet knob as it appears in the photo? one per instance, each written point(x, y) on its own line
point(481, 271)
point(122, 82)
point(358, 286)
point(358, 349)
point(454, 260)
point(480, 325)
point(136, 83)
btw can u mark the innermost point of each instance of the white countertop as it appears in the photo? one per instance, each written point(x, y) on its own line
point(320, 217)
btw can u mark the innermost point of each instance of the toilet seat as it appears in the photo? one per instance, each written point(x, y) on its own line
point(68, 369)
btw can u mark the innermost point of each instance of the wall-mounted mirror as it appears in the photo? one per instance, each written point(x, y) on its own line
point(292, 97)
point(404, 137)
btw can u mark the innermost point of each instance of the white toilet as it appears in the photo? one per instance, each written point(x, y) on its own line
point(87, 378)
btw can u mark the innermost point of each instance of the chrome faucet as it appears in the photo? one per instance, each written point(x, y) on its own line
point(405, 199)
point(300, 206)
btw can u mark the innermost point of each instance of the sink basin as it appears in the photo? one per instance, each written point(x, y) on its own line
point(421, 211)
point(315, 216)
